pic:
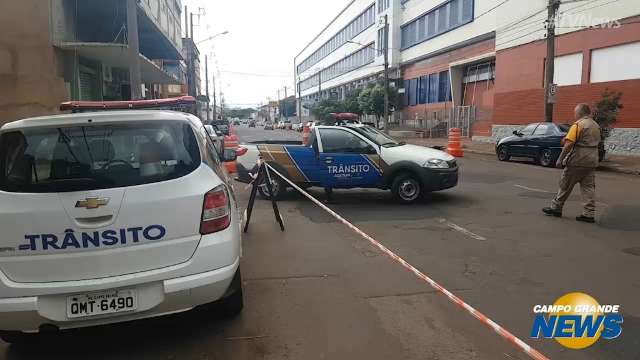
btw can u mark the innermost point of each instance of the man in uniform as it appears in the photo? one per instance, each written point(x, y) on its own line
point(579, 158)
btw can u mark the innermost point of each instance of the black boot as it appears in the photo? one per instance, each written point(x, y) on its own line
point(586, 219)
point(552, 212)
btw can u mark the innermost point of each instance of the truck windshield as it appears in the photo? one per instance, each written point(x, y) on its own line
point(94, 157)
point(376, 136)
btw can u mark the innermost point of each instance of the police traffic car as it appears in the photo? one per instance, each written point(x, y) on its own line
point(113, 216)
point(356, 156)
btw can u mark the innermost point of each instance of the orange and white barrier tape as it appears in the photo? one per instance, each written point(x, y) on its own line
point(531, 352)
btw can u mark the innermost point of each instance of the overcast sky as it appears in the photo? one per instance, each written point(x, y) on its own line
point(256, 58)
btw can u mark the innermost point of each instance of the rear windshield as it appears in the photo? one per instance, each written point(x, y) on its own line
point(96, 156)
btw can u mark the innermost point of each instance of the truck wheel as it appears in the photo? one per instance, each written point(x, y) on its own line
point(278, 188)
point(233, 304)
point(406, 188)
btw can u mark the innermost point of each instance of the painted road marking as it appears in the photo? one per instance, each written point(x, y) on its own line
point(533, 189)
point(552, 192)
point(504, 333)
point(462, 230)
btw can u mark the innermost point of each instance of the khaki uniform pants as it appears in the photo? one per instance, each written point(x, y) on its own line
point(587, 179)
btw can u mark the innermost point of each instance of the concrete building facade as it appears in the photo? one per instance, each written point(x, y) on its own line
point(484, 59)
point(58, 50)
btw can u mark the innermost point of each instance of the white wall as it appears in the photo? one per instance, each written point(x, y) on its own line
point(568, 69)
point(479, 26)
point(616, 63)
point(370, 35)
point(522, 21)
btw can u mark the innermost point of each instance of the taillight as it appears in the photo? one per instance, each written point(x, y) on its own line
point(216, 211)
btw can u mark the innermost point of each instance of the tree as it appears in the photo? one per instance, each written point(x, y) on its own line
point(371, 100)
point(322, 110)
point(351, 103)
point(608, 108)
point(606, 114)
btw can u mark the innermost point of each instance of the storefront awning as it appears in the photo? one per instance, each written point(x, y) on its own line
point(116, 55)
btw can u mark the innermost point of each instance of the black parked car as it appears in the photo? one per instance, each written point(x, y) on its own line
point(538, 141)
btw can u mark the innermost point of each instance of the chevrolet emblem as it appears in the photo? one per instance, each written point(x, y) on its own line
point(92, 203)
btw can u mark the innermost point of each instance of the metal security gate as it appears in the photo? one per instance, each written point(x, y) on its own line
point(436, 123)
point(88, 84)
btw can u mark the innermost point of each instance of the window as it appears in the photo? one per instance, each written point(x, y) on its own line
point(616, 63)
point(447, 16)
point(83, 158)
point(383, 5)
point(423, 85)
point(341, 141)
point(542, 129)
point(433, 88)
point(444, 88)
point(568, 70)
point(381, 42)
point(355, 27)
point(528, 130)
point(356, 60)
point(413, 86)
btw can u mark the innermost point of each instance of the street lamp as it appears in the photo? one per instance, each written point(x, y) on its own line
point(206, 74)
point(212, 37)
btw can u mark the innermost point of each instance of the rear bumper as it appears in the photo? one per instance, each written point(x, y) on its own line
point(154, 299)
point(439, 179)
point(203, 279)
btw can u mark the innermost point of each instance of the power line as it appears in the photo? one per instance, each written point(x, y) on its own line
point(519, 37)
point(518, 22)
point(490, 10)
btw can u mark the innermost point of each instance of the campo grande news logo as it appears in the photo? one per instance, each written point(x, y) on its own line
point(577, 321)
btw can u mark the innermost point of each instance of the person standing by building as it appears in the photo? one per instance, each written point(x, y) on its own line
point(579, 158)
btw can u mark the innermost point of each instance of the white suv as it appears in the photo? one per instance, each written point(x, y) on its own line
point(113, 216)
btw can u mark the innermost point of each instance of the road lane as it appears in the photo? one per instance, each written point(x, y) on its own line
point(527, 258)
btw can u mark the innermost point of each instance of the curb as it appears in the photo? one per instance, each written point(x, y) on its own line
point(603, 168)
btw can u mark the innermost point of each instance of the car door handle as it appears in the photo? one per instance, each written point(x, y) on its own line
point(328, 160)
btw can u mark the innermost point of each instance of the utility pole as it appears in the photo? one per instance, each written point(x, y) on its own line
point(279, 106)
point(549, 86)
point(299, 103)
point(186, 21)
point(206, 75)
point(135, 77)
point(286, 114)
point(215, 110)
point(191, 25)
point(385, 119)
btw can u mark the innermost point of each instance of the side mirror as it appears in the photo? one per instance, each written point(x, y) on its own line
point(517, 133)
point(371, 151)
point(229, 155)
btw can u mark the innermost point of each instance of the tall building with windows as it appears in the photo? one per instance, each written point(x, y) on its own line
point(481, 62)
point(348, 52)
point(60, 50)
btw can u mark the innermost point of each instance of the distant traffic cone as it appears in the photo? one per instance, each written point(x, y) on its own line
point(306, 133)
point(231, 142)
point(454, 147)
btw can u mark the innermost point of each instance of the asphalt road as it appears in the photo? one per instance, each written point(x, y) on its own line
point(319, 291)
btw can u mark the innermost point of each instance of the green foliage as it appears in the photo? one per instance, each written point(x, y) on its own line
point(239, 113)
point(322, 110)
point(608, 108)
point(351, 103)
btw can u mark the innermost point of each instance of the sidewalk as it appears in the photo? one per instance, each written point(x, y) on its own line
point(613, 163)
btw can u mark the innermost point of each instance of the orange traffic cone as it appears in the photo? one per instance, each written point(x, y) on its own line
point(306, 132)
point(454, 147)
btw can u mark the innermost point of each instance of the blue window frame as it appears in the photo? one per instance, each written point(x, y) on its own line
point(413, 87)
point(446, 17)
point(444, 91)
point(423, 85)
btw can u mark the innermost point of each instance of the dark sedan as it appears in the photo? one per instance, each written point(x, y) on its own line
point(538, 141)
